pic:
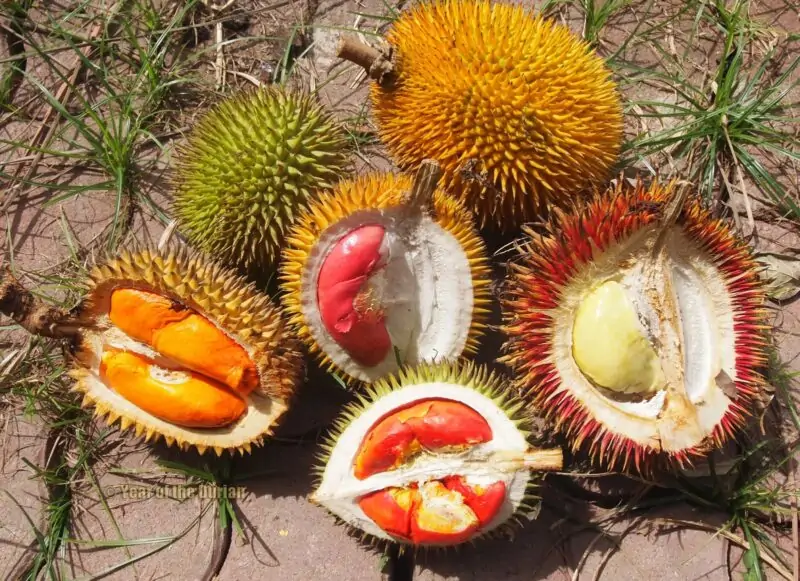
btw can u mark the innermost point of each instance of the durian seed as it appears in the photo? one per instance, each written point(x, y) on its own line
point(610, 346)
point(442, 516)
point(408, 431)
point(185, 399)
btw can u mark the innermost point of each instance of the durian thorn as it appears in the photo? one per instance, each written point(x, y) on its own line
point(420, 198)
point(378, 64)
point(31, 313)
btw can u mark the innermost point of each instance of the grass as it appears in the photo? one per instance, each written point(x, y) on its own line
point(725, 122)
point(100, 95)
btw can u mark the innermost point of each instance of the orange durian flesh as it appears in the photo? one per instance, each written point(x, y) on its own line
point(184, 337)
point(184, 398)
point(431, 424)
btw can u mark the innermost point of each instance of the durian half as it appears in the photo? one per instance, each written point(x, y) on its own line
point(383, 271)
point(433, 456)
point(174, 346)
point(637, 326)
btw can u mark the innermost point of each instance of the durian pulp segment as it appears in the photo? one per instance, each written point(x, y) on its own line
point(610, 346)
point(249, 428)
point(425, 289)
point(340, 490)
point(641, 342)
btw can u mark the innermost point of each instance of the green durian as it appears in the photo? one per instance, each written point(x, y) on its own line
point(249, 167)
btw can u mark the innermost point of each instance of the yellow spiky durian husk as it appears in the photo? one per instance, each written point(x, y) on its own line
point(518, 111)
point(224, 298)
point(378, 191)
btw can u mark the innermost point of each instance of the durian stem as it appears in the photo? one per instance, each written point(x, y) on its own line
point(30, 313)
point(670, 216)
point(421, 195)
point(538, 460)
point(378, 65)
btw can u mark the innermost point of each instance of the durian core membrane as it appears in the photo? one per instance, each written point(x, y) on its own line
point(398, 275)
point(626, 349)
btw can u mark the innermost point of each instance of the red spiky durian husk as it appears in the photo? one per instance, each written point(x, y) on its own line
point(546, 263)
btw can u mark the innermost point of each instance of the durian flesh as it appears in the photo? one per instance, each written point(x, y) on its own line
point(432, 457)
point(177, 347)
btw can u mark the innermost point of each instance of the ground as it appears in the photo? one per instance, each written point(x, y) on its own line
point(104, 93)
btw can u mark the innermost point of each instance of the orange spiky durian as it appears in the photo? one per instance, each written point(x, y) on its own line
point(637, 325)
point(518, 110)
point(174, 346)
point(436, 455)
point(383, 270)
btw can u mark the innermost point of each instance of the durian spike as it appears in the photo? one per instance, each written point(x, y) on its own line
point(378, 64)
point(31, 313)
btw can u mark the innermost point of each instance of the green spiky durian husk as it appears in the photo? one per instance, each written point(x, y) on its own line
point(461, 372)
point(249, 167)
point(224, 298)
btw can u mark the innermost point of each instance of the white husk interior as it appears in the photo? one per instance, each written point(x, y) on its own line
point(428, 293)
point(340, 489)
point(707, 330)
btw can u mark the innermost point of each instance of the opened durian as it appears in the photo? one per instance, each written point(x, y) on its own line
point(518, 110)
point(637, 325)
point(383, 271)
point(175, 347)
point(435, 455)
point(249, 168)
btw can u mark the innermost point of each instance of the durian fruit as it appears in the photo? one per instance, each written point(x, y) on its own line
point(519, 111)
point(383, 271)
point(249, 167)
point(175, 346)
point(637, 326)
point(436, 455)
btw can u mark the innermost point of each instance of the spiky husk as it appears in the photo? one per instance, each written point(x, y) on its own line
point(547, 262)
point(459, 372)
point(250, 166)
point(377, 192)
point(518, 111)
point(224, 298)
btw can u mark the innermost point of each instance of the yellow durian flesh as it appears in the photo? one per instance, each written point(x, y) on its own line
point(609, 344)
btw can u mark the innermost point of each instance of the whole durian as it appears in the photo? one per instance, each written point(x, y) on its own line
point(519, 111)
point(249, 167)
